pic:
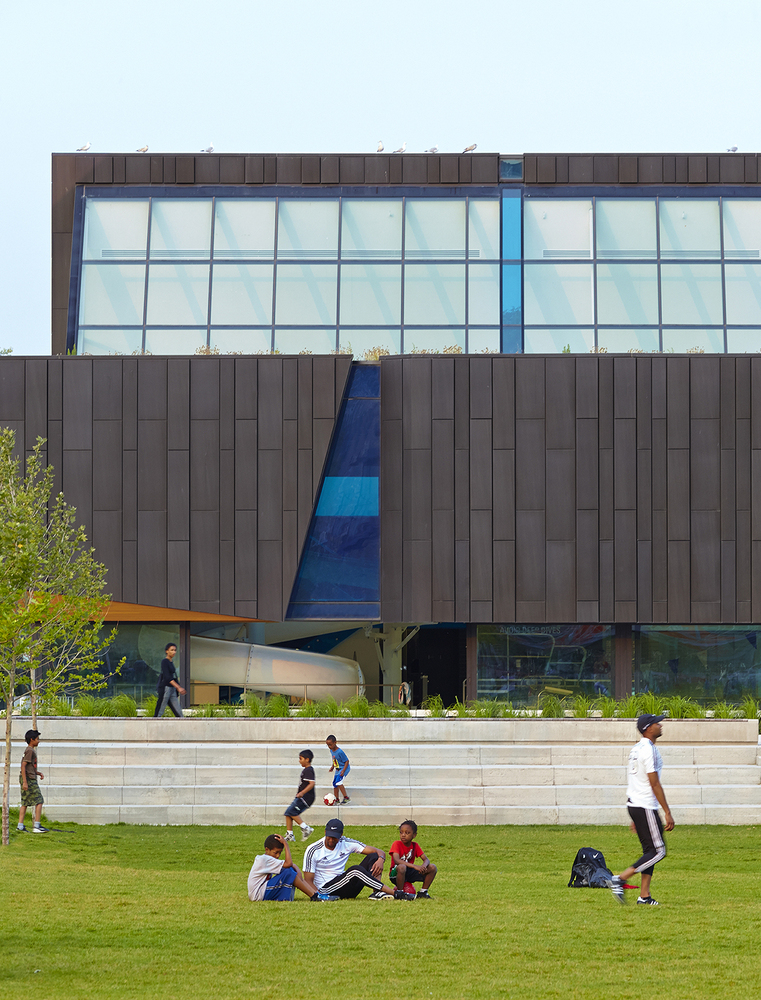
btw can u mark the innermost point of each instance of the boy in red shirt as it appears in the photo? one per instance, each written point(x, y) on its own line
point(404, 852)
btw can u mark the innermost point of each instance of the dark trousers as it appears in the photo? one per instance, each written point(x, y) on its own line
point(354, 880)
point(647, 823)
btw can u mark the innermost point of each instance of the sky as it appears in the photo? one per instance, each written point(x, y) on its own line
point(247, 76)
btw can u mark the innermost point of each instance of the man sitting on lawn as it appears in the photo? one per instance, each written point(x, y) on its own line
point(325, 860)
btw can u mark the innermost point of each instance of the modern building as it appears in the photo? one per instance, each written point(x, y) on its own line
point(514, 401)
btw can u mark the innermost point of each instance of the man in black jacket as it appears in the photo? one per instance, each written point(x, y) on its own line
point(169, 686)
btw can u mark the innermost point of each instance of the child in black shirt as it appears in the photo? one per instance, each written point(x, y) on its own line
point(304, 798)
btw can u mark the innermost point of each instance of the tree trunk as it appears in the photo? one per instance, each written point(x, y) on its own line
point(33, 695)
point(7, 767)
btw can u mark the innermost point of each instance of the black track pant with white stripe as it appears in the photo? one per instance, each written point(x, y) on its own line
point(354, 880)
point(647, 823)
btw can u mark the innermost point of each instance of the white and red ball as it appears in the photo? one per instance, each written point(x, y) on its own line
point(330, 799)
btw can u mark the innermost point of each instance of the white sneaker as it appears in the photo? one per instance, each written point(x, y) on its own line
point(289, 835)
point(306, 831)
point(378, 895)
point(39, 829)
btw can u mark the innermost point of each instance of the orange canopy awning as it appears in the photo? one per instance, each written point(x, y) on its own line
point(120, 611)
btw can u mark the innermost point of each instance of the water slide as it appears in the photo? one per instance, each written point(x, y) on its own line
point(261, 668)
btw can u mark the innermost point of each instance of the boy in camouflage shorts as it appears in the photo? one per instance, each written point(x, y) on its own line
point(30, 790)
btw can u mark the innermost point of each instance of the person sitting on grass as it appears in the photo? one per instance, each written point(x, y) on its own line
point(275, 878)
point(403, 854)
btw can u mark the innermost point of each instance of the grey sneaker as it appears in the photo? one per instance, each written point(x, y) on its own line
point(378, 895)
point(39, 829)
point(306, 832)
point(289, 835)
point(647, 901)
point(400, 894)
point(617, 888)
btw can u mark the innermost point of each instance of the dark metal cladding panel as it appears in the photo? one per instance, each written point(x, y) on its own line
point(503, 604)
point(245, 464)
point(530, 464)
point(107, 461)
point(678, 391)
point(329, 169)
point(529, 566)
point(681, 175)
point(442, 462)
point(442, 388)
point(529, 169)
point(204, 556)
point(480, 465)
point(679, 582)
point(204, 465)
point(697, 169)
point(290, 465)
point(376, 170)
point(660, 562)
point(60, 273)
point(305, 491)
point(185, 169)
point(606, 169)
point(178, 574)
point(705, 465)
point(178, 403)
point(392, 575)
point(605, 402)
point(529, 387)
point(442, 565)
point(712, 170)
point(139, 169)
point(755, 486)
point(304, 401)
point(254, 170)
point(660, 465)
point(129, 571)
point(480, 555)
point(728, 583)
point(129, 404)
point(77, 485)
point(417, 403)
point(484, 169)
point(624, 387)
point(644, 581)
point(705, 387)
point(607, 579)
point(669, 169)
point(606, 457)
point(461, 403)
point(227, 494)
point(414, 169)
point(84, 169)
point(416, 494)
point(391, 389)
point(321, 433)
point(560, 393)
point(151, 557)
point(246, 388)
point(625, 464)
point(503, 503)
point(120, 170)
point(561, 592)
point(644, 403)
point(416, 602)
point(560, 506)
point(204, 388)
point(77, 404)
point(587, 557)
point(627, 170)
point(289, 170)
point(462, 493)
point(152, 389)
point(12, 381)
point(728, 495)
point(678, 494)
point(351, 169)
point(466, 164)
point(270, 502)
point(644, 494)
point(323, 388)
point(107, 542)
point(178, 496)
point(391, 465)
point(625, 580)
point(561, 169)
point(580, 170)
point(36, 401)
point(170, 170)
point(743, 551)
point(63, 186)
point(151, 465)
point(157, 170)
point(727, 402)
point(232, 170)
point(587, 465)
point(245, 555)
point(732, 169)
point(227, 403)
point(462, 579)
point(129, 494)
point(545, 169)
point(310, 169)
point(107, 389)
point(705, 556)
point(503, 392)
point(751, 169)
point(586, 387)
point(481, 388)
point(270, 403)
point(291, 551)
point(433, 170)
point(450, 171)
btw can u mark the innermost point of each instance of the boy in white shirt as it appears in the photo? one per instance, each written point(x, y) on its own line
point(274, 878)
point(644, 794)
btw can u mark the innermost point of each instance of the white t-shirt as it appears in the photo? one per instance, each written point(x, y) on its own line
point(644, 759)
point(327, 864)
point(262, 870)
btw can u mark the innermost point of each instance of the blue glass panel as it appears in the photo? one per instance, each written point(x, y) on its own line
point(353, 495)
point(511, 170)
point(357, 440)
point(512, 340)
point(364, 381)
point(335, 612)
point(511, 228)
point(340, 561)
point(512, 288)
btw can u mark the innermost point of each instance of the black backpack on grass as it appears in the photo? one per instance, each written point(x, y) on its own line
point(590, 871)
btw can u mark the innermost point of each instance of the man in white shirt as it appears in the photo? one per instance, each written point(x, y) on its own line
point(325, 860)
point(644, 794)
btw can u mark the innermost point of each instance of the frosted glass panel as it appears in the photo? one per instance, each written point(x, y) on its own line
point(558, 294)
point(744, 341)
point(307, 229)
point(115, 229)
point(483, 293)
point(371, 294)
point(554, 341)
point(483, 229)
point(174, 341)
point(305, 341)
point(109, 341)
point(180, 228)
point(434, 293)
point(241, 294)
point(371, 229)
point(627, 293)
point(743, 292)
point(623, 341)
point(241, 341)
point(112, 294)
point(483, 341)
point(306, 294)
point(556, 230)
point(369, 344)
point(177, 294)
point(435, 228)
point(682, 341)
point(626, 228)
point(691, 293)
point(244, 228)
point(742, 229)
point(690, 228)
point(434, 341)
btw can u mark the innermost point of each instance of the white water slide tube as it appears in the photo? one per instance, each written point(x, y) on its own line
point(274, 669)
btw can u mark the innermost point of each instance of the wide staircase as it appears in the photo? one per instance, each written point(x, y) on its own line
point(437, 772)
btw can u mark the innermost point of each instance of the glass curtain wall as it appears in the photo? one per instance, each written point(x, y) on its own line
point(367, 276)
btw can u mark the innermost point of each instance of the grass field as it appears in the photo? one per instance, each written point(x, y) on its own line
point(136, 911)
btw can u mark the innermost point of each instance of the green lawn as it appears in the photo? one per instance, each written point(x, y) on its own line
point(132, 911)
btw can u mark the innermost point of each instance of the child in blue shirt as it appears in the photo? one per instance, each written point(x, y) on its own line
point(341, 766)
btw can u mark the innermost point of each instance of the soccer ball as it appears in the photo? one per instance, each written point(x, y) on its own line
point(409, 887)
point(330, 799)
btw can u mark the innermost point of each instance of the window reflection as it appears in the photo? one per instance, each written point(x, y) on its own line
point(370, 344)
point(483, 341)
point(742, 229)
point(306, 294)
point(626, 228)
point(686, 340)
point(180, 228)
point(690, 228)
point(691, 293)
point(305, 341)
point(241, 341)
point(371, 294)
point(244, 228)
point(371, 229)
point(115, 229)
point(744, 341)
point(628, 340)
point(483, 229)
point(554, 341)
point(177, 294)
point(483, 294)
point(558, 293)
point(451, 341)
point(434, 228)
point(434, 293)
point(241, 294)
point(174, 341)
point(743, 292)
point(110, 341)
point(307, 229)
point(627, 293)
point(556, 230)
point(112, 294)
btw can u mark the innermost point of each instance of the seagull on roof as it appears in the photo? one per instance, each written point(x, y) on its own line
point(402, 147)
point(380, 146)
point(433, 149)
point(143, 149)
point(732, 149)
point(83, 149)
point(469, 149)
point(209, 148)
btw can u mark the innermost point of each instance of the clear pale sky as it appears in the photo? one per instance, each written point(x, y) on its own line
point(251, 76)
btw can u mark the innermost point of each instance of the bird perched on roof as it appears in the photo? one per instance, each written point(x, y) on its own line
point(143, 149)
point(380, 146)
point(402, 147)
point(469, 149)
point(83, 149)
point(433, 149)
point(209, 148)
point(732, 149)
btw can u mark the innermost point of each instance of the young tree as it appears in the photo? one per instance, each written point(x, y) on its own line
point(52, 604)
